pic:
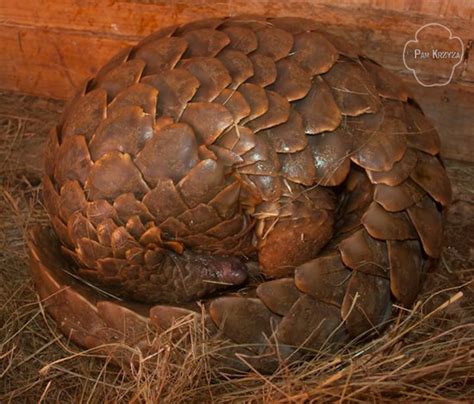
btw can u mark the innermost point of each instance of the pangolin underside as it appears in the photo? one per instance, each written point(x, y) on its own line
point(214, 145)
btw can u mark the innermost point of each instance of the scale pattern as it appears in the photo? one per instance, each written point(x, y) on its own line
point(261, 139)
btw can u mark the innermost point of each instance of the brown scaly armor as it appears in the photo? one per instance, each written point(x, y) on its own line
point(222, 142)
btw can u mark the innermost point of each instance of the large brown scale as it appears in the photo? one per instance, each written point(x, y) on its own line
point(223, 142)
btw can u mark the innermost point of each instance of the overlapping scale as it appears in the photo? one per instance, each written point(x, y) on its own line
point(224, 228)
point(384, 225)
point(293, 242)
point(73, 160)
point(366, 303)
point(241, 38)
point(121, 77)
point(113, 174)
point(161, 54)
point(261, 151)
point(292, 81)
point(238, 65)
point(386, 83)
point(171, 153)
point(264, 70)
point(202, 183)
point(204, 42)
point(359, 192)
point(398, 197)
point(238, 140)
point(344, 47)
point(398, 173)
point(298, 167)
point(62, 233)
point(361, 252)
point(164, 200)
point(331, 151)
point(431, 176)
point(226, 201)
point(142, 95)
point(256, 98)
point(378, 141)
point(211, 74)
point(245, 320)
point(78, 226)
point(235, 104)
point(71, 199)
point(353, 89)
point(207, 119)
point(125, 132)
point(85, 114)
point(104, 231)
point(310, 323)
point(205, 23)
point(313, 53)
point(100, 210)
point(274, 42)
point(253, 22)
point(406, 267)
point(121, 241)
point(319, 110)
point(278, 112)
point(427, 220)
point(90, 251)
point(200, 219)
point(129, 322)
point(164, 32)
point(176, 88)
point(136, 228)
point(127, 206)
point(279, 295)
point(288, 137)
point(118, 59)
point(324, 278)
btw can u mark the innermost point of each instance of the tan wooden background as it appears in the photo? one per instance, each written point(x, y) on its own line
point(49, 47)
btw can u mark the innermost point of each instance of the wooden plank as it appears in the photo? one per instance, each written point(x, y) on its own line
point(46, 63)
point(438, 8)
point(451, 110)
point(135, 17)
point(381, 31)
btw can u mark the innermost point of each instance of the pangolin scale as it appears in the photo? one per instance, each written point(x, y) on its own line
point(225, 142)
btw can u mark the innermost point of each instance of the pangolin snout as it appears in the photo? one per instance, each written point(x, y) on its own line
point(231, 270)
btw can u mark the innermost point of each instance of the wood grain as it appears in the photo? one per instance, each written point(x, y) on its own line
point(451, 110)
point(136, 17)
point(381, 28)
point(381, 33)
point(47, 63)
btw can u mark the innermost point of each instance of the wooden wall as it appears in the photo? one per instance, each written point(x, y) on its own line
point(49, 47)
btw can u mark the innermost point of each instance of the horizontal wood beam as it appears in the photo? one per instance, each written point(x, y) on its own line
point(47, 63)
point(380, 28)
point(140, 17)
point(451, 110)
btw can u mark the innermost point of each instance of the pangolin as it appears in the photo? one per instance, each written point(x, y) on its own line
point(260, 166)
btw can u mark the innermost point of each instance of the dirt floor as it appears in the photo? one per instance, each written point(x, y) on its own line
point(427, 354)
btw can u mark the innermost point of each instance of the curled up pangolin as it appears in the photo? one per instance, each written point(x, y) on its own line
point(258, 166)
